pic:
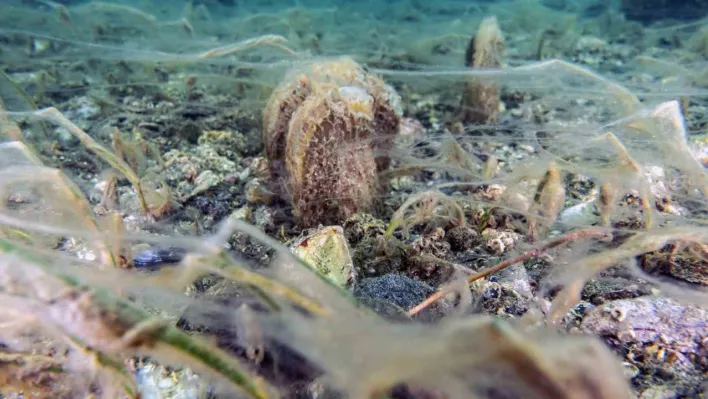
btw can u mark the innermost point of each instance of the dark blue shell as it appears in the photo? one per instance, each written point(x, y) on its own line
point(156, 258)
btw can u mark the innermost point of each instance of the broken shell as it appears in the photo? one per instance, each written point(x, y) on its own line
point(327, 251)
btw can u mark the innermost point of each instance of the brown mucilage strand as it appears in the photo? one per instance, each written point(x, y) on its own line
point(328, 130)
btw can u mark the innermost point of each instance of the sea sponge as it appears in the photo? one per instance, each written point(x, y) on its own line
point(328, 130)
point(480, 100)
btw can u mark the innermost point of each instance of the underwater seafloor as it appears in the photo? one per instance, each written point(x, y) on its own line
point(142, 138)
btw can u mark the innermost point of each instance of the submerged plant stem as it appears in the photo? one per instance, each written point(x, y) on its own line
point(265, 287)
point(265, 40)
point(111, 364)
point(112, 159)
point(199, 354)
point(532, 253)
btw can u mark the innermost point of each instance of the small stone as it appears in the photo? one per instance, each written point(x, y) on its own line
point(259, 168)
point(432, 243)
point(190, 132)
point(402, 183)
point(327, 250)
point(204, 182)
point(527, 148)
point(87, 256)
point(244, 175)
point(493, 192)
point(658, 392)
point(258, 193)
point(499, 242)
point(630, 370)
point(39, 46)
point(461, 238)
point(164, 383)
point(263, 217)
point(361, 226)
point(156, 382)
point(410, 127)
point(244, 213)
point(215, 136)
point(516, 278)
point(582, 214)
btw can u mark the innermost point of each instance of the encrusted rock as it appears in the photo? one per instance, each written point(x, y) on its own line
point(362, 226)
point(499, 242)
point(432, 243)
point(371, 253)
point(500, 299)
point(461, 238)
point(199, 170)
point(205, 181)
point(157, 382)
point(656, 333)
point(604, 289)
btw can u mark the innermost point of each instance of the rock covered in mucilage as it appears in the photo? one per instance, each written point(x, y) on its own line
point(658, 335)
